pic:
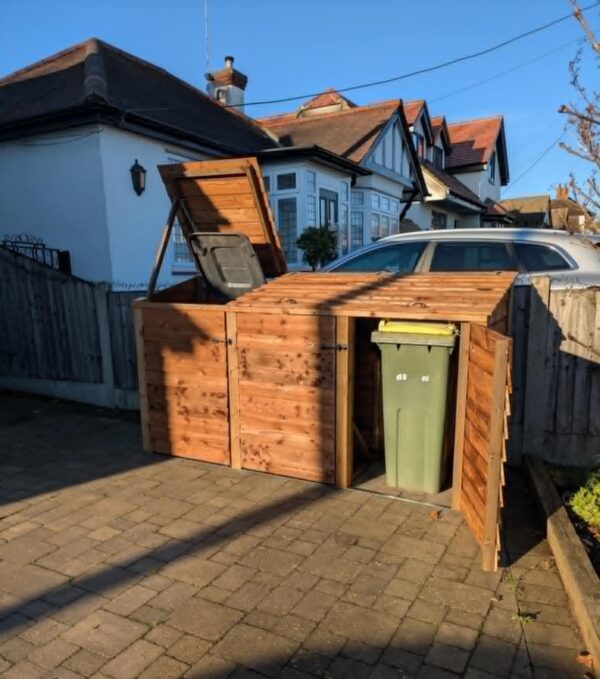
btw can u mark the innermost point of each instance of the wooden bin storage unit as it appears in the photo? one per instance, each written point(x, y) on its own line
point(265, 382)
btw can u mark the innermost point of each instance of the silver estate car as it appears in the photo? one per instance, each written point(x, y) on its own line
point(570, 261)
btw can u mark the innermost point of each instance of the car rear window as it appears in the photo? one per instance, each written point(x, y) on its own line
point(540, 257)
point(470, 256)
point(395, 257)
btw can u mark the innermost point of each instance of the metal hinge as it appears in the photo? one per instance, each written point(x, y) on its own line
point(218, 340)
point(339, 346)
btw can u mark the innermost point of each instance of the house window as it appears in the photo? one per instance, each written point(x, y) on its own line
point(267, 182)
point(287, 223)
point(311, 180)
point(358, 198)
point(493, 168)
point(438, 158)
point(375, 200)
point(328, 208)
point(343, 240)
point(384, 226)
point(311, 211)
point(357, 222)
point(375, 233)
point(344, 192)
point(419, 142)
point(181, 251)
point(286, 182)
point(439, 220)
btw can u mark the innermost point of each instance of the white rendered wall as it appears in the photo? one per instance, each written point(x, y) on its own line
point(135, 222)
point(51, 186)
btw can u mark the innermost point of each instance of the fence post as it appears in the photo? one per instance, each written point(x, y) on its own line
point(101, 291)
point(536, 396)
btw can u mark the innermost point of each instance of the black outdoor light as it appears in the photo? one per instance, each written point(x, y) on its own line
point(138, 177)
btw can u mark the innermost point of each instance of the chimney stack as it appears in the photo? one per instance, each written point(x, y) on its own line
point(562, 192)
point(227, 85)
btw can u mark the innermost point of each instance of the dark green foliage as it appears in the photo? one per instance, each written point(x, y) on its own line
point(319, 245)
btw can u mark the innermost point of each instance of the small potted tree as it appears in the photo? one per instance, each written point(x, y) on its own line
point(318, 245)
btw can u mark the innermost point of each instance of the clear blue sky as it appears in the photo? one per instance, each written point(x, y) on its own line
point(291, 47)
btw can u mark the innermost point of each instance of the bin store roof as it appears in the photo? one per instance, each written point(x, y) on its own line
point(456, 297)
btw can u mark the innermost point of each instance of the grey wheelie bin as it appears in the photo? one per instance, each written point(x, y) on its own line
point(415, 364)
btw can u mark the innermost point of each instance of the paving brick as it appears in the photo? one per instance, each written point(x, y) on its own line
point(392, 605)
point(428, 611)
point(234, 577)
point(164, 635)
point(174, 595)
point(414, 636)
point(280, 600)
point(189, 649)
point(357, 650)
point(414, 571)
point(386, 672)
point(52, 654)
point(403, 589)
point(43, 631)
point(273, 561)
point(130, 600)
point(130, 663)
point(210, 667)
point(324, 642)
point(455, 635)
point(204, 619)
point(341, 668)
point(314, 605)
point(247, 597)
point(164, 668)
point(502, 624)
point(369, 626)
point(149, 615)
point(331, 587)
point(493, 653)
point(337, 569)
point(194, 570)
point(302, 581)
point(458, 595)
point(25, 670)
point(104, 633)
point(255, 648)
point(312, 664)
point(16, 649)
point(449, 658)
point(85, 662)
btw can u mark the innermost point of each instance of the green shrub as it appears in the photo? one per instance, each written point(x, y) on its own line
point(586, 501)
point(319, 245)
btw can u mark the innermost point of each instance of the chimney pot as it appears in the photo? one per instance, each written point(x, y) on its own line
point(229, 62)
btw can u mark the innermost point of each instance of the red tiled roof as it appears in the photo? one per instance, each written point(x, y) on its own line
point(329, 97)
point(412, 109)
point(473, 141)
point(349, 133)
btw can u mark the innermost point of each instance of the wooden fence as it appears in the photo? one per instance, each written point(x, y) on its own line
point(65, 337)
point(556, 374)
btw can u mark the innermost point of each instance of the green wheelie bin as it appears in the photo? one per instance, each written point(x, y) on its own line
point(415, 364)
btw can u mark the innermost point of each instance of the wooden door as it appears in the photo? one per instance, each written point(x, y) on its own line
point(183, 380)
point(481, 433)
point(286, 394)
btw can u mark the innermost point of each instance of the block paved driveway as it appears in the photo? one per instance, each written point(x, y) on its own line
point(116, 563)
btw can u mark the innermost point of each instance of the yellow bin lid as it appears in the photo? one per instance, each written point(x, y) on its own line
point(444, 329)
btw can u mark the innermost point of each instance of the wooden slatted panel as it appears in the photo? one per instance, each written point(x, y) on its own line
point(287, 395)
point(476, 297)
point(485, 430)
point(227, 196)
point(185, 381)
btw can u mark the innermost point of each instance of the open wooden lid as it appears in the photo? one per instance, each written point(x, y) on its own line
point(226, 196)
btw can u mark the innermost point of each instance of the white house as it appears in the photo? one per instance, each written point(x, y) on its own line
point(71, 128)
point(424, 173)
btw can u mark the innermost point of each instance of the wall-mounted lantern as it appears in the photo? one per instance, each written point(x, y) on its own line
point(138, 177)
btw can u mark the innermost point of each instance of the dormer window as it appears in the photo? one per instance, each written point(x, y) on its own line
point(419, 143)
point(438, 158)
point(492, 168)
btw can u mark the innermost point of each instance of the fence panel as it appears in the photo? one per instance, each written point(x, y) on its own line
point(49, 326)
point(122, 337)
point(556, 404)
